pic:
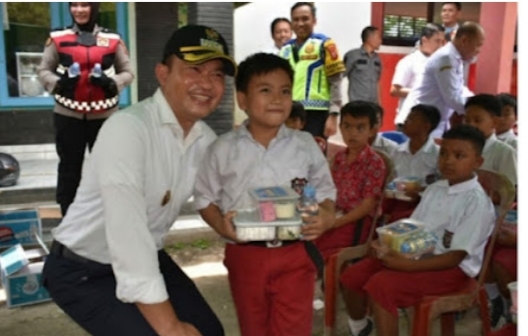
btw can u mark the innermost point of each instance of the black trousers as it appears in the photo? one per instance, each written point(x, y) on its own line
point(315, 122)
point(71, 138)
point(86, 292)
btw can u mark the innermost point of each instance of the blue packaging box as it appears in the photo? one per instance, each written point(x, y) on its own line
point(19, 227)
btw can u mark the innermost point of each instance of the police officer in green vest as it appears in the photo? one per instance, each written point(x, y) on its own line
point(318, 72)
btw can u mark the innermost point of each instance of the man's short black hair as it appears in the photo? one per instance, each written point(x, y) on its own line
point(260, 64)
point(458, 5)
point(367, 31)
point(277, 21)
point(300, 4)
point(508, 100)
point(359, 109)
point(430, 29)
point(430, 113)
point(467, 133)
point(298, 111)
point(379, 110)
point(488, 102)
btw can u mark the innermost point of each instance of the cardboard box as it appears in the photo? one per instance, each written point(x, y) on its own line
point(21, 274)
point(19, 227)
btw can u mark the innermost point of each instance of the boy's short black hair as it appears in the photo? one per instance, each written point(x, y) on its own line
point(507, 99)
point(260, 64)
point(359, 109)
point(298, 111)
point(300, 4)
point(277, 21)
point(488, 102)
point(467, 133)
point(366, 32)
point(430, 113)
point(458, 5)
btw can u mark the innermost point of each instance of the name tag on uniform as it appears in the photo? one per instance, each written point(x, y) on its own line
point(166, 198)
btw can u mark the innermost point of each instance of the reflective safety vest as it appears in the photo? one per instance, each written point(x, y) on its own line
point(87, 98)
point(310, 83)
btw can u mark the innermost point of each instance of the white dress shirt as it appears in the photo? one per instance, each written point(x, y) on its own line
point(140, 173)
point(462, 216)
point(385, 145)
point(508, 137)
point(237, 163)
point(407, 69)
point(500, 157)
point(440, 84)
point(423, 163)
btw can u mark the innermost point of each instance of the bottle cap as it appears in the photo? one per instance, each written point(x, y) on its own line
point(309, 191)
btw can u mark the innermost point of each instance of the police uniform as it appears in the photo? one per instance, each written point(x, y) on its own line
point(272, 287)
point(81, 106)
point(440, 84)
point(364, 72)
point(107, 253)
point(317, 79)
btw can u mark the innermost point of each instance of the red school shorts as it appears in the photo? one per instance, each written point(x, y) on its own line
point(392, 289)
point(507, 258)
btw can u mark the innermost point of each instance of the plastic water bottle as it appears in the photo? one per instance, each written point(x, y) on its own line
point(308, 205)
point(74, 70)
point(97, 71)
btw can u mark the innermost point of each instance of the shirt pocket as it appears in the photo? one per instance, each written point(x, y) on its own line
point(361, 65)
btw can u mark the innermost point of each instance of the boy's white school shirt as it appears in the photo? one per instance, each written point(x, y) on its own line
point(508, 137)
point(500, 157)
point(462, 216)
point(237, 163)
point(385, 145)
point(424, 162)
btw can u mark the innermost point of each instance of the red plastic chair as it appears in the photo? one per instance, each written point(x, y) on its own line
point(473, 293)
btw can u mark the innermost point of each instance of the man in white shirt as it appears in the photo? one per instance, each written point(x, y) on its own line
point(409, 67)
point(281, 32)
point(107, 269)
point(441, 84)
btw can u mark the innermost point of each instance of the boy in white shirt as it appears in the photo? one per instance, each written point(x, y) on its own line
point(461, 215)
point(272, 284)
point(483, 111)
point(508, 119)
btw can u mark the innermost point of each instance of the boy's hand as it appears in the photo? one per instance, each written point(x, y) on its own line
point(227, 229)
point(377, 249)
point(395, 261)
point(507, 237)
point(330, 126)
point(317, 225)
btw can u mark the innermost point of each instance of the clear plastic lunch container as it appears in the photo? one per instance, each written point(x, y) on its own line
point(284, 199)
point(249, 227)
point(394, 234)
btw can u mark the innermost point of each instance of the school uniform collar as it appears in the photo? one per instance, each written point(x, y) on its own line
point(459, 187)
point(243, 132)
point(489, 142)
point(167, 117)
point(428, 146)
point(364, 51)
point(506, 135)
point(378, 141)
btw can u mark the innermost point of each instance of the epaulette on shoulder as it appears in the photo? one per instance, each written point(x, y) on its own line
point(110, 33)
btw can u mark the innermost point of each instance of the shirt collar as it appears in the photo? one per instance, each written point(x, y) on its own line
point(167, 117)
point(426, 148)
point(378, 142)
point(364, 51)
point(505, 135)
point(243, 131)
point(459, 187)
point(489, 141)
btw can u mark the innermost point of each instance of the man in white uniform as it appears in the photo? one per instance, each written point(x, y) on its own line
point(441, 84)
point(107, 268)
point(409, 67)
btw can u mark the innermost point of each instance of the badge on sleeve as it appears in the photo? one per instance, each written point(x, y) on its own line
point(448, 237)
point(446, 67)
point(166, 198)
point(298, 184)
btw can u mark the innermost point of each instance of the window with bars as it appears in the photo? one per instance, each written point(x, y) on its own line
point(404, 29)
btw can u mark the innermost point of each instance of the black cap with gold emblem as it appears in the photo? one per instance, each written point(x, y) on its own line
point(197, 44)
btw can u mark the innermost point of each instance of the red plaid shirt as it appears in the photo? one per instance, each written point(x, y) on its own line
point(363, 178)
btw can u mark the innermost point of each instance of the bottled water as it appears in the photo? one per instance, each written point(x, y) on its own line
point(97, 71)
point(74, 70)
point(418, 243)
point(308, 205)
